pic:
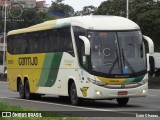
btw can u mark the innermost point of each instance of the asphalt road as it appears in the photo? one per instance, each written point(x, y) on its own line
point(96, 109)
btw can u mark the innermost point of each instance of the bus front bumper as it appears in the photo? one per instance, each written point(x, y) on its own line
point(99, 92)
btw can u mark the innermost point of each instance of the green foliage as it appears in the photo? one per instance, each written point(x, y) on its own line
point(45, 115)
point(60, 7)
point(87, 10)
point(7, 107)
point(112, 7)
point(28, 18)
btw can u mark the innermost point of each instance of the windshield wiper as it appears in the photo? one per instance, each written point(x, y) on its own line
point(126, 61)
point(114, 63)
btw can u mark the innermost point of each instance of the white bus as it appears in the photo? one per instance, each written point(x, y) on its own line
point(85, 57)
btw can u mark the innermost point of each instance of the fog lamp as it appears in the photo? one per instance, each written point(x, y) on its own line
point(143, 91)
point(98, 93)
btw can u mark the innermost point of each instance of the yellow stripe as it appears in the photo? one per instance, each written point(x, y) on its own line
point(113, 81)
point(68, 64)
point(38, 27)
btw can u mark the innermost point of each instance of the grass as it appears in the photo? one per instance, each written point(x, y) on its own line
point(8, 107)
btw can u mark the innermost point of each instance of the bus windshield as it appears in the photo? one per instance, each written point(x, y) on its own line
point(117, 52)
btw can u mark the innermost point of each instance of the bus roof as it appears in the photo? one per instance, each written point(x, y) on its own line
point(92, 22)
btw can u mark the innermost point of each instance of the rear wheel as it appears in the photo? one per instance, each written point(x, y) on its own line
point(73, 95)
point(28, 95)
point(21, 90)
point(122, 101)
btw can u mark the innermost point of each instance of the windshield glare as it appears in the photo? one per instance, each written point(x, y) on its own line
point(117, 52)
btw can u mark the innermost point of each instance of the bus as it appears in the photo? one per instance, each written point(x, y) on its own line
point(84, 57)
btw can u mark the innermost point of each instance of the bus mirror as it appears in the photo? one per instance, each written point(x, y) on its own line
point(150, 44)
point(86, 44)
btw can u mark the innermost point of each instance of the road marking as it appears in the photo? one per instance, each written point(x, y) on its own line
point(151, 95)
point(3, 81)
point(55, 104)
point(93, 109)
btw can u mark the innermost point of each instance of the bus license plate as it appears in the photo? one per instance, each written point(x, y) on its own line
point(122, 92)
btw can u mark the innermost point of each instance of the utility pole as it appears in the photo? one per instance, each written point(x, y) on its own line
point(127, 9)
point(4, 44)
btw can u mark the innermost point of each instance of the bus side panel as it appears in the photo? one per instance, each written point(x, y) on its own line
point(66, 71)
point(49, 72)
point(12, 75)
point(32, 69)
point(69, 69)
point(27, 66)
point(13, 72)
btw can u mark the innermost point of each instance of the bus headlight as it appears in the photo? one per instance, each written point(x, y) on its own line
point(96, 82)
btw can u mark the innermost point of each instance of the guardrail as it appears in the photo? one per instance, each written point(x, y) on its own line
point(154, 83)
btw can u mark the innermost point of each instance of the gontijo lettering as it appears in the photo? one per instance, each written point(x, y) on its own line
point(28, 61)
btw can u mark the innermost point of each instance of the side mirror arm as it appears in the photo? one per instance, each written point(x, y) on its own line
point(86, 44)
point(150, 44)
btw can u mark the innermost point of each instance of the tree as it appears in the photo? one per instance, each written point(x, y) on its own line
point(28, 18)
point(112, 7)
point(61, 8)
point(146, 13)
point(87, 10)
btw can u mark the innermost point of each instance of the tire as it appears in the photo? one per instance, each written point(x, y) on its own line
point(21, 90)
point(28, 95)
point(73, 95)
point(122, 101)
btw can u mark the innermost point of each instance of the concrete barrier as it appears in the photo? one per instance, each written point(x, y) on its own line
point(3, 77)
point(154, 83)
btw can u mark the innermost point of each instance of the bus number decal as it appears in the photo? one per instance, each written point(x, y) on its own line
point(10, 61)
point(28, 61)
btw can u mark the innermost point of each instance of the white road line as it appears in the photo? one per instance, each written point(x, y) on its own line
point(56, 104)
point(3, 82)
point(151, 95)
point(94, 109)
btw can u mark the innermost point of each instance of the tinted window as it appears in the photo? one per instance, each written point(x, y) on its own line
point(78, 31)
point(56, 40)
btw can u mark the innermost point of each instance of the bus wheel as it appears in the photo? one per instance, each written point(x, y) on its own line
point(21, 90)
point(73, 95)
point(122, 101)
point(28, 95)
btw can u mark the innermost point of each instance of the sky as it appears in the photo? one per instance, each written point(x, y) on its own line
point(79, 4)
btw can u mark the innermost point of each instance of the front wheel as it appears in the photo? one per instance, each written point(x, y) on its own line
point(73, 95)
point(122, 101)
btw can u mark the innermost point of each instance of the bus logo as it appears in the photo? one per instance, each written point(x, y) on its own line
point(28, 61)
